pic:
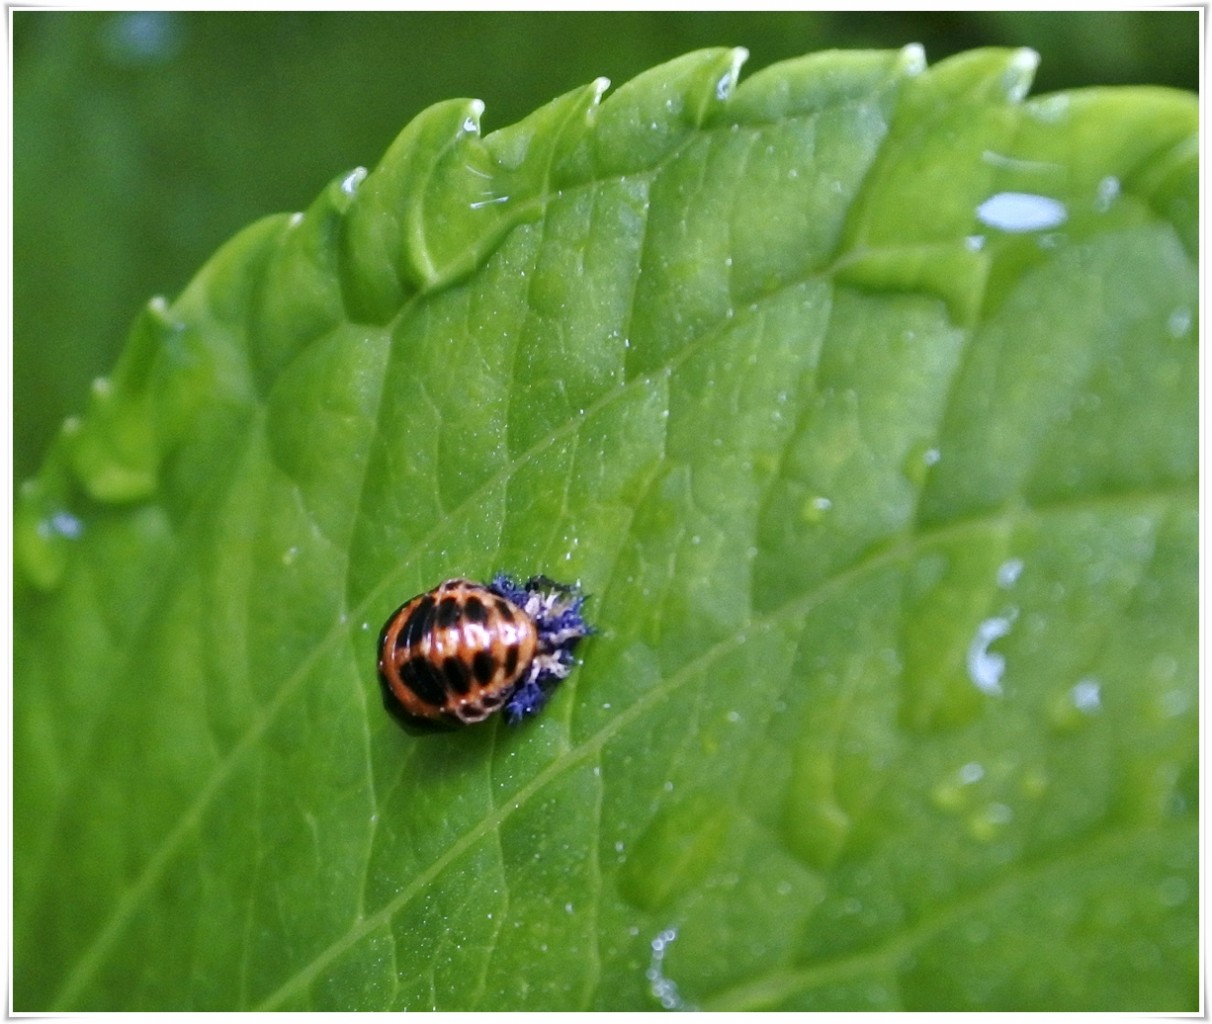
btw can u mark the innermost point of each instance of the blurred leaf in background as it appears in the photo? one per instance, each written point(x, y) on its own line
point(143, 139)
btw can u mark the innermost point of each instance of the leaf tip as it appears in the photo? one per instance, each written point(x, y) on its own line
point(349, 184)
point(727, 81)
point(912, 59)
point(43, 528)
point(471, 121)
point(1020, 73)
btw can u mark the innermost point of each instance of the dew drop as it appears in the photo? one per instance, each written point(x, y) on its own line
point(1076, 706)
point(815, 509)
point(471, 123)
point(919, 461)
point(1106, 193)
point(1179, 323)
point(1008, 572)
point(61, 524)
point(1018, 212)
point(985, 667)
point(988, 822)
point(1087, 696)
point(351, 181)
point(954, 793)
point(971, 772)
point(664, 989)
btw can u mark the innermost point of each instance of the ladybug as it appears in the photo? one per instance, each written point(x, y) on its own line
point(463, 651)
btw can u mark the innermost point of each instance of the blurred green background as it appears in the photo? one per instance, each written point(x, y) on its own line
point(142, 140)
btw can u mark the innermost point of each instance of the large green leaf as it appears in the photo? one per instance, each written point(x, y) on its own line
point(861, 398)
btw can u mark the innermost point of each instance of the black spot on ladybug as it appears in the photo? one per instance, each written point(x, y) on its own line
point(474, 610)
point(483, 666)
point(449, 610)
point(456, 675)
point(421, 678)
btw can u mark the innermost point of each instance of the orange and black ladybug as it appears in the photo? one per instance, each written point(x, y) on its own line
point(464, 651)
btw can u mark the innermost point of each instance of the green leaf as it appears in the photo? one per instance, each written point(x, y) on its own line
point(861, 398)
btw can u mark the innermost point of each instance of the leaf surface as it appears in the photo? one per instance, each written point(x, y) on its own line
point(861, 398)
